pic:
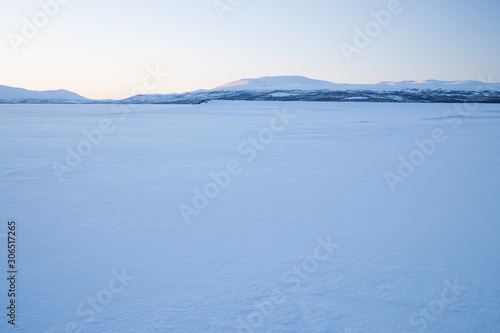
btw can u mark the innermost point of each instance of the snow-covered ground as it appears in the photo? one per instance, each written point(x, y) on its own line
point(300, 231)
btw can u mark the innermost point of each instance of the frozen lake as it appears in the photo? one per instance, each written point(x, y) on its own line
point(253, 217)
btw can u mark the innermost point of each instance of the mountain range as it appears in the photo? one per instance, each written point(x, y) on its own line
point(287, 88)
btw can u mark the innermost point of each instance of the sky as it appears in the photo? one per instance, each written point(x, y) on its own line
point(108, 49)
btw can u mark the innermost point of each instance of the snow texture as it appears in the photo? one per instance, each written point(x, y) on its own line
point(107, 249)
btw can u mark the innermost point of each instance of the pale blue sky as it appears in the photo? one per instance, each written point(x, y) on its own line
point(101, 49)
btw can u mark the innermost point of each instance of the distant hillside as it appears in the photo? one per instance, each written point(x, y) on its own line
point(20, 95)
point(289, 88)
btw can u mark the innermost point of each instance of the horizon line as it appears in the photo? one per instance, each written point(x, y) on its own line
point(256, 78)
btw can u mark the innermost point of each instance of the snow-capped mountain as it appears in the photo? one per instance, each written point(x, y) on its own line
point(278, 83)
point(290, 88)
point(299, 88)
point(20, 95)
point(304, 83)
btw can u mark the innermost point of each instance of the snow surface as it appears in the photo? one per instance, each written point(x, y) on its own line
point(321, 175)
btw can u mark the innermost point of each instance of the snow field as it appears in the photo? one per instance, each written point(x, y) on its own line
point(423, 258)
